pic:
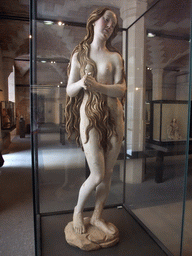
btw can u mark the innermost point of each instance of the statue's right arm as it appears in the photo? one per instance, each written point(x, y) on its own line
point(75, 83)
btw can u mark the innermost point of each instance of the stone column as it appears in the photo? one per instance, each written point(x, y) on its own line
point(157, 91)
point(57, 105)
point(8, 63)
point(135, 87)
point(11, 85)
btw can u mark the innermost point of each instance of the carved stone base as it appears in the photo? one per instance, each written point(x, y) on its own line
point(93, 239)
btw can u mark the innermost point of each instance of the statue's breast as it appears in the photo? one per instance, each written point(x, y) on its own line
point(105, 72)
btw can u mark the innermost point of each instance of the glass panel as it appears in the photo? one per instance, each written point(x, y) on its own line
point(62, 166)
point(187, 235)
point(155, 182)
point(76, 12)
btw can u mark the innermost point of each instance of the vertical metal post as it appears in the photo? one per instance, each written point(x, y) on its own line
point(187, 143)
point(125, 144)
point(34, 145)
point(161, 114)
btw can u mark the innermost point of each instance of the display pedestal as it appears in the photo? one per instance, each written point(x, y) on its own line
point(93, 239)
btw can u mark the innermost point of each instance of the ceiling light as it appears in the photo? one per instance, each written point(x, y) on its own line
point(48, 22)
point(149, 34)
point(60, 23)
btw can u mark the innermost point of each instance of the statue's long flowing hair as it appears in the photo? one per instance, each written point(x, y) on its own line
point(96, 108)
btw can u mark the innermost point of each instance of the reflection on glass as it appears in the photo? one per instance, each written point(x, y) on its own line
point(61, 164)
point(157, 200)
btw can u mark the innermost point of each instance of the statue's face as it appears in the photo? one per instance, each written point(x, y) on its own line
point(105, 25)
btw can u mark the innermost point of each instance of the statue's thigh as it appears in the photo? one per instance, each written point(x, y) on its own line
point(112, 155)
point(116, 141)
point(93, 152)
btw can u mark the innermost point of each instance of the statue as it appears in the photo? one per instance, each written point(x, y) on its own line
point(94, 113)
point(173, 130)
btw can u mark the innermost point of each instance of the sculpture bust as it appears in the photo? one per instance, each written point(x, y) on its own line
point(94, 112)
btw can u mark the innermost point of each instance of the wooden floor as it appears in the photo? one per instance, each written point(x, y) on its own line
point(165, 222)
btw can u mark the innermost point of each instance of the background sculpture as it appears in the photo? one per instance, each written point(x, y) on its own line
point(173, 130)
point(94, 113)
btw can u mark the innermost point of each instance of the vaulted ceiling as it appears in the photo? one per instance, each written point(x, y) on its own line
point(169, 21)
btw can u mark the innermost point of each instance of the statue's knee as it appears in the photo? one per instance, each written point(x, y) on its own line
point(98, 179)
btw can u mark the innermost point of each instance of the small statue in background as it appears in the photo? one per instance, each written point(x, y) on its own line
point(173, 130)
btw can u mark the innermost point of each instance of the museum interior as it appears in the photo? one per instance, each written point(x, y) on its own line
point(150, 199)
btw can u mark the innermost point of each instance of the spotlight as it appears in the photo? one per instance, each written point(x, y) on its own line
point(48, 22)
point(149, 34)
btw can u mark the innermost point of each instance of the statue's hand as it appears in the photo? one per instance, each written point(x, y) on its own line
point(83, 82)
point(90, 83)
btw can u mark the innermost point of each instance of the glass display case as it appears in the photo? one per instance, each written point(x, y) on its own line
point(168, 121)
point(8, 118)
point(155, 46)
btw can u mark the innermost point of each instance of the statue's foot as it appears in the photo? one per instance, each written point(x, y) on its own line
point(109, 230)
point(78, 224)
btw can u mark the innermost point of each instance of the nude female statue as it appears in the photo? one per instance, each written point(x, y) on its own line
point(94, 112)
